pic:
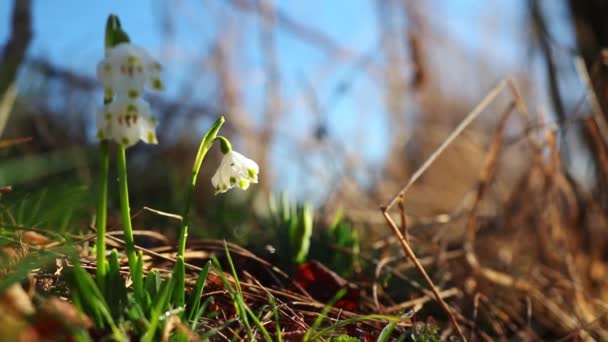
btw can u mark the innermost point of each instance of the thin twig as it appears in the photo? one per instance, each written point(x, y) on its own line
point(600, 120)
point(486, 176)
point(404, 226)
point(422, 300)
point(410, 253)
point(492, 94)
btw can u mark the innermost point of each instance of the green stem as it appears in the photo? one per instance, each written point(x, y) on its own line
point(102, 210)
point(203, 148)
point(126, 220)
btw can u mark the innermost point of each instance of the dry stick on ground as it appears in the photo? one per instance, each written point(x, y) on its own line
point(492, 94)
point(494, 276)
point(403, 219)
point(490, 97)
point(486, 176)
point(594, 132)
point(410, 254)
point(583, 73)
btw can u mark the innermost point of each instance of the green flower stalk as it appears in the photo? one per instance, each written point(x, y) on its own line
point(101, 217)
point(235, 170)
point(125, 118)
point(121, 161)
point(203, 148)
point(111, 39)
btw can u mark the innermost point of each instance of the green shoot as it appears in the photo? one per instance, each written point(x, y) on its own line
point(126, 220)
point(275, 312)
point(192, 312)
point(317, 323)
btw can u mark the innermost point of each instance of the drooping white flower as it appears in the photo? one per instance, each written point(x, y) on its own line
point(127, 121)
point(127, 69)
point(235, 170)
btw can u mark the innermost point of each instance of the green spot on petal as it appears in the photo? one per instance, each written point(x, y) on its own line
point(157, 84)
point(151, 137)
point(131, 108)
point(107, 95)
point(243, 184)
point(232, 180)
point(125, 141)
point(132, 60)
point(251, 173)
point(133, 94)
point(108, 116)
point(224, 187)
point(101, 135)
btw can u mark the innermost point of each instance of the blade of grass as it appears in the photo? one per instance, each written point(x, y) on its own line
point(192, 308)
point(199, 313)
point(236, 299)
point(317, 323)
point(387, 331)
point(241, 299)
point(152, 283)
point(349, 321)
point(116, 291)
point(215, 330)
point(160, 303)
point(275, 312)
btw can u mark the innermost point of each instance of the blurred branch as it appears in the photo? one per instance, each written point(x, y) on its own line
point(301, 31)
point(6, 106)
point(273, 106)
point(14, 51)
point(540, 28)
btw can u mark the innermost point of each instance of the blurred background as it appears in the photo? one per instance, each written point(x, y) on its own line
point(339, 102)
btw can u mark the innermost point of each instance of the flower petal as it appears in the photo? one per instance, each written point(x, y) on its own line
point(235, 170)
point(127, 69)
point(127, 121)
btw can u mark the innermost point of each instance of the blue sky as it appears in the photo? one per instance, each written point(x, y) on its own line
point(70, 34)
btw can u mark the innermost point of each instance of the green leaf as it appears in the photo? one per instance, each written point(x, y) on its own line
point(200, 312)
point(152, 283)
point(138, 278)
point(116, 290)
point(303, 233)
point(194, 301)
point(160, 306)
point(387, 331)
point(344, 338)
point(114, 32)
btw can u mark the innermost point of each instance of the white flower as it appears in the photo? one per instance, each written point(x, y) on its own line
point(126, 121)
point(127, 69)
point(235, 170)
